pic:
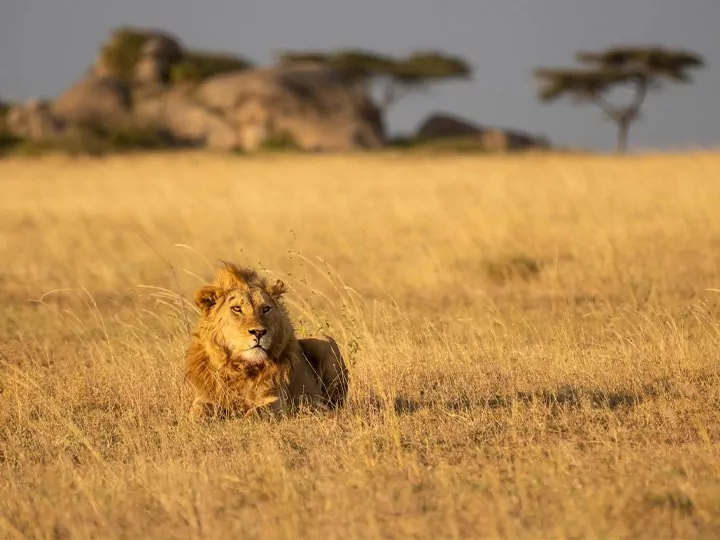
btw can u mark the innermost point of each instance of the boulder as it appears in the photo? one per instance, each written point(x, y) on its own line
point(157, 56)
point(105, 101)
point(33, 121)
point(187, 121)
point(313, 107)
point(440, 126)
point(162, 45)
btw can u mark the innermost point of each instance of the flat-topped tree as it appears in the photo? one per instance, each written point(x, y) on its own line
point(642, 69)
point(197, 66)
point(391, 78)
point(421, 69)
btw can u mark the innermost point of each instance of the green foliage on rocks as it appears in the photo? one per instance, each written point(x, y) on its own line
point(121, 53)
point(123, 50)
point(195, 66)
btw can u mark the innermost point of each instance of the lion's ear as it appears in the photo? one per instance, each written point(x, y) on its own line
point(205, 297)
point(277, 290)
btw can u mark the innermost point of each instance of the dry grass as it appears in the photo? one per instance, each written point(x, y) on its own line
point(533, 342)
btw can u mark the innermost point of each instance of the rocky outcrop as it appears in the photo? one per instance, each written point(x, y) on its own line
point(314, 107)
point(33, 121)
point(145, 88)
point(121, 55)
point(101, 100)
point(187, 120)
point(442, 126)
point(157, 56)
point(132, 86)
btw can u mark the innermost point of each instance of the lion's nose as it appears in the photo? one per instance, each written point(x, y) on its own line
point(257, 332)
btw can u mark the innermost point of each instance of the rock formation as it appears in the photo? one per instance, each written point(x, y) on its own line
point(33, 121)
point(311, 106)
point(157, 56)
point(441, 126)
point(101, 100)
point(131, 86)
point(145, 86)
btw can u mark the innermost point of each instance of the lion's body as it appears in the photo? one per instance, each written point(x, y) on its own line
point(323, 362)
point(244, 355)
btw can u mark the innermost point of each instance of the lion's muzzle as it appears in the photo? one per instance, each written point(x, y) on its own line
point(255, 355)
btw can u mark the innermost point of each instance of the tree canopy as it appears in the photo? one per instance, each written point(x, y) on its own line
point(394, 77)
point(643, 69)
point(196, 66)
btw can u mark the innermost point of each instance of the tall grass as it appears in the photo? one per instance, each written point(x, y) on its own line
point(533, 344)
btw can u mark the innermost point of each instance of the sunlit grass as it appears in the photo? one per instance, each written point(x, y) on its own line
point(533, 344)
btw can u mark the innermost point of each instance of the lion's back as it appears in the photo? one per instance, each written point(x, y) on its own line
point(324, 362)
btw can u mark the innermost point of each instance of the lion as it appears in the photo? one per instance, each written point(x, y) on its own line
point(244, 356)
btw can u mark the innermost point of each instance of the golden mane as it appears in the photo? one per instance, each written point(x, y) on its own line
point(231, 276)
point(230, 376)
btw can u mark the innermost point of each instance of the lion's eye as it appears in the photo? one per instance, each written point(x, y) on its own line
point(236, 309)
point(265, 309)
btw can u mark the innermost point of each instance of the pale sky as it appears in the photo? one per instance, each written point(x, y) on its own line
point(46, 44)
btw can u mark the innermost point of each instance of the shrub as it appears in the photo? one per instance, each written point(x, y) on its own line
point(136, 138)
point(445, 145)
point(89, 138)
point(8, 141)
point(280, 142)
point(402, 142)
point(195, 67)
point(122, 52)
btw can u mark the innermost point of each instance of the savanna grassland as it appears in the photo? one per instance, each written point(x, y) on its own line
point(533, 343)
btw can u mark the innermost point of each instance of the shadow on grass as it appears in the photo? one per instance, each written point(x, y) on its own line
point(566, 396)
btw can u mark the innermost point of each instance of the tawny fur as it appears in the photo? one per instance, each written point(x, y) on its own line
point(278, 373)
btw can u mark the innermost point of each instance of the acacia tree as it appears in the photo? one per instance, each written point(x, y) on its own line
point(386, 77)
point(642, 69)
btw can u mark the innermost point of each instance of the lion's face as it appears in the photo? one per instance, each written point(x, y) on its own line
point(247, 322)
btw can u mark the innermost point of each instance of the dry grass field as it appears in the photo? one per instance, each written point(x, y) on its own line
point(533, 341)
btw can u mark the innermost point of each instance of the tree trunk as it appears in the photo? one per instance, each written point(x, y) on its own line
point(622, 138)
point(625, 116)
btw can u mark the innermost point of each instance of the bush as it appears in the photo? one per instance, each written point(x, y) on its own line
point(8, 141)
point(89, 138)
point(134, 138)
point(122, 52)
point(195, 67)
point(450, 145)
point(402, 142)
point(280, 142)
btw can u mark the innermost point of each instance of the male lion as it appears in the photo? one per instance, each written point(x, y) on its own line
point(244, 355)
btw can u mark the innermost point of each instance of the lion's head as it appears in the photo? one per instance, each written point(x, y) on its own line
point(244, 354)
point(244, 316)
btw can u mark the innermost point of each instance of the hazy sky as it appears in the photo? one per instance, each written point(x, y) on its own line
point(46, 44)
